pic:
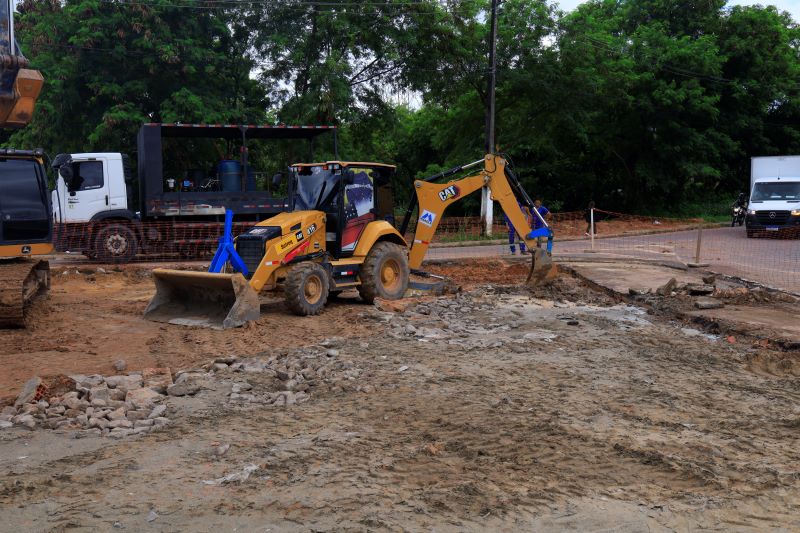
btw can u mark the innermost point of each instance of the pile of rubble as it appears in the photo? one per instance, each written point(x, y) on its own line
point(707, 295)
point(122, 405)
point(290, 376)
point(114, 406)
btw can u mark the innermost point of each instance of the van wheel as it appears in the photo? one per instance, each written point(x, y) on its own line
point(116, 243)
point(384, 273)
point(306, 289)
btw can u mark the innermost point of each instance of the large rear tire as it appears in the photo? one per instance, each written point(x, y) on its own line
point(384, 273)
point(116, 243)
point(306, 289)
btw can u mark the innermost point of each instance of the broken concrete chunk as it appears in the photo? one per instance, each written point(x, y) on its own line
point(125, 383)
point(633, 291)
point(187, 388)
point(708, 303)
point(667, 288)
point(28, 391)
point(100, 392)
point(145, 398)
point(696, 288)
point(137, 414)
point(157, 411)
point(157, 379)
point(117, 414)
point(87, 381)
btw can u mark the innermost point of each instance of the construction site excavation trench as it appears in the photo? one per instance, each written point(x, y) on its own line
point(495, 407)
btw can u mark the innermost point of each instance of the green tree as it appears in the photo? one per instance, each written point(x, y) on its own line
point(110, 66)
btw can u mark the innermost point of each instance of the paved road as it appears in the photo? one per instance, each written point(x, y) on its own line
point(773, 262)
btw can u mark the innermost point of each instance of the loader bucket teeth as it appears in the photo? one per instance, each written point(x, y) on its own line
point(218, 301)
point(542, 267)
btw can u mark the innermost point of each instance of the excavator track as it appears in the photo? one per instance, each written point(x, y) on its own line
point(20, 282)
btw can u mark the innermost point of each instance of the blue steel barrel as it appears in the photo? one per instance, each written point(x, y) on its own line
point(250, 181)
point(230, 175)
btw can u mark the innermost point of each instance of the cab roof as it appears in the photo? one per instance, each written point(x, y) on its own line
point(346, 164)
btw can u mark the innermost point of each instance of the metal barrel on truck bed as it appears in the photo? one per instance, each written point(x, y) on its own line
point(218, 301)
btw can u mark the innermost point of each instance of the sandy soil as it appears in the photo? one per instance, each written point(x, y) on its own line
point(498, 408)
point(91, 320)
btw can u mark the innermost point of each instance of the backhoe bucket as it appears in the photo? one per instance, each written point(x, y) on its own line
point(542, 267)
point(218, 301)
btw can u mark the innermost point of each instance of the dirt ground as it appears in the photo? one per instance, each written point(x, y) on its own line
point(497, 408)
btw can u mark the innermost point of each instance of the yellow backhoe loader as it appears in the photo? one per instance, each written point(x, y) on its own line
point(338, 235)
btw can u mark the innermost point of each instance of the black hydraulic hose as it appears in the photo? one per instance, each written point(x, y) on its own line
point(516, 186)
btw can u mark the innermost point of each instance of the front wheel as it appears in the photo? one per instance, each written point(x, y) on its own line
point(306, 289)
point(116, 243)
point(384, 273)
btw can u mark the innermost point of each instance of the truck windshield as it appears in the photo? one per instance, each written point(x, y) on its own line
point(313, 185)
point(786, 191)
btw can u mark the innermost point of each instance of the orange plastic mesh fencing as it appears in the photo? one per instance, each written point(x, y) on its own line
point(127, 241)
point(766, 256)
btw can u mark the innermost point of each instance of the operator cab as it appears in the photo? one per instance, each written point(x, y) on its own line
point(24, 204)
point(351, 194)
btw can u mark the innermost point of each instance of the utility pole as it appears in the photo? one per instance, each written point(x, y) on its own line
point(487, 205)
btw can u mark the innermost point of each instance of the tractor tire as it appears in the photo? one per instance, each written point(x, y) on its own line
point(306, 289)
point(116, 243)
point(384, 273)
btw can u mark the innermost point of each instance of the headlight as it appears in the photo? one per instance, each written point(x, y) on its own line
point(796, 212)
point(752, 212)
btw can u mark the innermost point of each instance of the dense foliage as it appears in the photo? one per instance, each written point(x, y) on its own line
point(639, 104)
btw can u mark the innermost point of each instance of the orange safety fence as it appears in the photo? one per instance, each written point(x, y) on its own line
point(768, 257)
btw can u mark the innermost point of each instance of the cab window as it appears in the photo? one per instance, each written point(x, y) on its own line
point(87, 175)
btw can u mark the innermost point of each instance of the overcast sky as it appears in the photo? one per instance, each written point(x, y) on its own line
point(792, 6)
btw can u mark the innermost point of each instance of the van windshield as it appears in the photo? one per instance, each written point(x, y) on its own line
point(786, 191)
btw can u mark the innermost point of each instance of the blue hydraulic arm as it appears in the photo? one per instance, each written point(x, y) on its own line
point(226, 251)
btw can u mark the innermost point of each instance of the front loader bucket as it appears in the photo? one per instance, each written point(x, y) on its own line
point(542, 267)
point(218, 301)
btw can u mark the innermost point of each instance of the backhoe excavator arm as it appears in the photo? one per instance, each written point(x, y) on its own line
point(434, 198)
point(19, 85)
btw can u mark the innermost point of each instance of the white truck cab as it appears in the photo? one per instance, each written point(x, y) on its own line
point(91, 187)
point(774, 195)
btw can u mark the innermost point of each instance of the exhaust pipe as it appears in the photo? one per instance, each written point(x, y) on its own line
point(218, 301)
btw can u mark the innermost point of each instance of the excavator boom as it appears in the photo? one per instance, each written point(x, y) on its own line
point(19, 85)
point(434, 198)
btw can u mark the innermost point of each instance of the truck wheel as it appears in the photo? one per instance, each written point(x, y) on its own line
point(384, 273)
point(116, 243)
point(306, 289)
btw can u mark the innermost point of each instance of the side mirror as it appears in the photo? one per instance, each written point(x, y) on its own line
point(66, 173)
point(277, 179)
